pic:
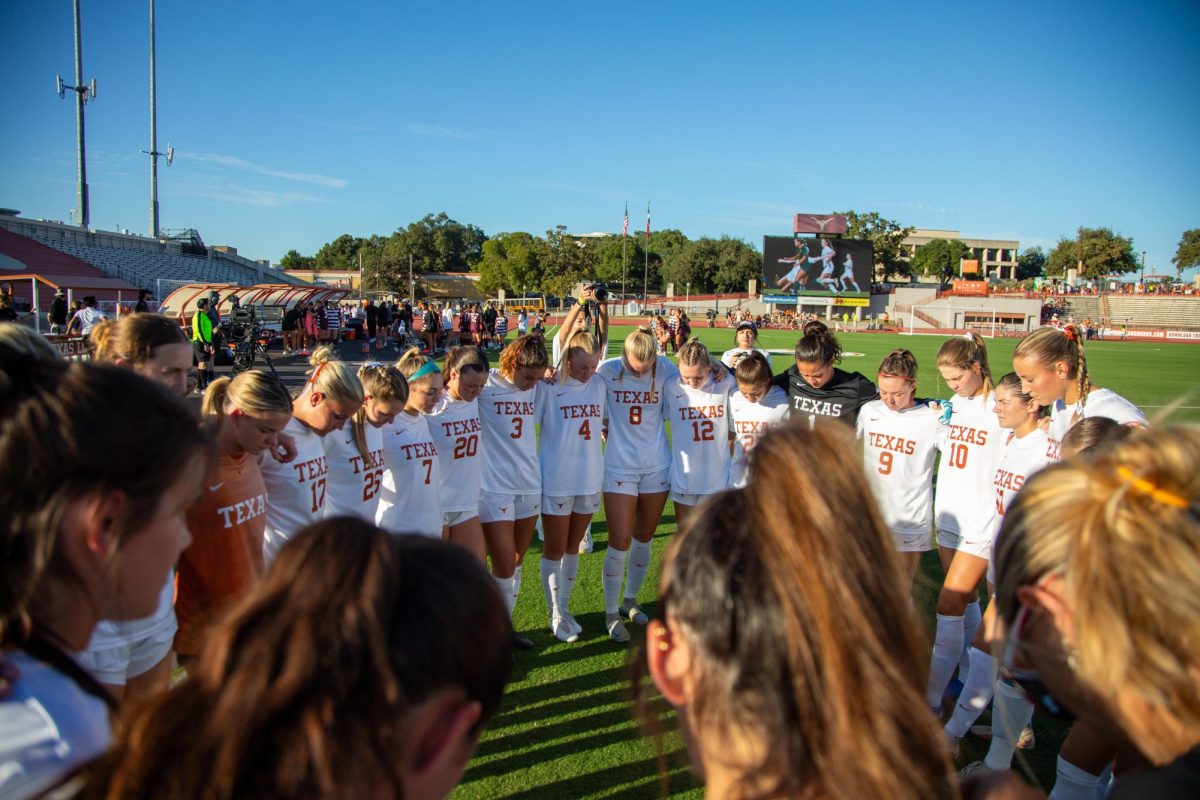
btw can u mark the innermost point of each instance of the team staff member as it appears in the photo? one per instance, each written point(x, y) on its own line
point(409, 501)
point(202, 343)
point(816, 387)
point(745, 340)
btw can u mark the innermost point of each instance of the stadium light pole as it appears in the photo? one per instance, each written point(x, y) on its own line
point(1142, 275)
point(82, 94)
point(153, 151)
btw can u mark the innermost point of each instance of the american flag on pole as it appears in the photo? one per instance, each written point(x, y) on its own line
point(647, 220)
point(625, 227)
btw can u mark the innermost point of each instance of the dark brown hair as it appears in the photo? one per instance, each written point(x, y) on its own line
point(752, 370)
point(467, 358)
point(818, 345)
point(303, 687)
point(899, 363)
point(1094, 433)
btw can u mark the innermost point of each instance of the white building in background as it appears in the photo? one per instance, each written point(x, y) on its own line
point(994, 255)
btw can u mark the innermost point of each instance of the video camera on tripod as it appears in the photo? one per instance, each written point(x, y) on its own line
point(244, 333)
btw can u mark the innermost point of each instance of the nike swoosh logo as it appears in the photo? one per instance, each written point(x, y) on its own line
point(678, 396)
point(874, 419)
point(559, 394)
point(216, 486)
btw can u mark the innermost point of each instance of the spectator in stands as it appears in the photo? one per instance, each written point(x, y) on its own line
point(142, 307)
point(89, 316)
point(202, 343)
point(364, 665)
point(57, 317)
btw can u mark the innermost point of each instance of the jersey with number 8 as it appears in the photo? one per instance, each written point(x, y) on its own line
point(353, 483)
point(637, 438)
point(457, 431)
point(700, 428)
point(508, 416)
point(409, 500)
point(571, 415)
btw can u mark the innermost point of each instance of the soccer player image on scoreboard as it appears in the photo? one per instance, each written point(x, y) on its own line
point(797, 274)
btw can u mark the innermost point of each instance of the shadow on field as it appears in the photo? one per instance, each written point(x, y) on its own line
point(639, 779)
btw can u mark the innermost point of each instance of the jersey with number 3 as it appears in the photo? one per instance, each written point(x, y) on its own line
point(296, 490)
point(973, 442)
point(750, 422)
point(700, 429)
point(353, 484)
point(637, 438)
point(409, 501)
point(457, 433)
point(571, 415)
point(508, 416)
point(899, 449)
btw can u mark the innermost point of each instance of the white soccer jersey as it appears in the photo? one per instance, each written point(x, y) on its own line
point(637, 438)
point(1100, 403)
point(899, 449)
point(409, 501)
point(750, 422)
point(458, 435)
point(353, 483)
point(571, 415)
point(971, 447)
point(728, 356)
point(700, 430)
point(1020, 459)
point(508, 415)
point(296, 490)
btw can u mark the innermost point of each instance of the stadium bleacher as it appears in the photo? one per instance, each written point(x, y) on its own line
point(1151, 311)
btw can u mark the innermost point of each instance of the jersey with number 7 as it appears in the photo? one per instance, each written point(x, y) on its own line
point(408, 500)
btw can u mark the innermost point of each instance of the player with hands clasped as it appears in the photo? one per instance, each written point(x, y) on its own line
point(409, 499)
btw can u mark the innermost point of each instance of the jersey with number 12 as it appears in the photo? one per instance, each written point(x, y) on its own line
point(700, 429)
point(571, 415)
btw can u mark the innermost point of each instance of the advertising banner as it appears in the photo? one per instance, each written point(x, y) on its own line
point(817, 267)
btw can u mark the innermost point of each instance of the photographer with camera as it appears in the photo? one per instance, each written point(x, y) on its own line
point(591, 307)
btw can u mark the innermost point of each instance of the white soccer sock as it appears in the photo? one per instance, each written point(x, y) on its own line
point(971, 618)
point(567, 575)
point(1073, 783)
point(947, 644)
point(505, 586)
point(1011, 712)
point(976, 694)
point(550, 571)
point(516, 589)
point(614, 571)
point(639, 565)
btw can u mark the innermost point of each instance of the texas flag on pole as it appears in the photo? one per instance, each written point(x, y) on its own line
point(647, 220)
point(625, 227)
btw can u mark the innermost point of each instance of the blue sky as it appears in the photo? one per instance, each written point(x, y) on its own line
point(296, 122)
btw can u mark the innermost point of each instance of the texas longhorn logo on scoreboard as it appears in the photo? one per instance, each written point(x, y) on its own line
point(820, 224)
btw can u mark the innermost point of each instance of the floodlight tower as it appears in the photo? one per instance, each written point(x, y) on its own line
point(82, 94)
point(153, 151)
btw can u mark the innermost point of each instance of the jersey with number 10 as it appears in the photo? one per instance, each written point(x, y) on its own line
point(899, 448)
point(296, 490)
point(456, 432)
point(571, 415)
point(508, 416)
point(637, 438)
point(353, 483)
point(700, 429)
point(973, 443)
point(409, 501)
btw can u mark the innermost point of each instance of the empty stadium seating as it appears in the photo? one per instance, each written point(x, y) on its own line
point(1142, 311)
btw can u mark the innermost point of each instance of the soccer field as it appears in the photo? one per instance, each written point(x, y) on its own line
point(566, 729)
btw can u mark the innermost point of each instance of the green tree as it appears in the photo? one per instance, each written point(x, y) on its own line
point(339, 255)
point(941, 258)
point(885, 235)
point(1031, 263)
point(1101, 251)
point(568, 261)
point(293, 260)
point(437, 243)
point(1187, 254)
point(712, 265)
point(663, 246)
point(511, 261)
point(609, 265)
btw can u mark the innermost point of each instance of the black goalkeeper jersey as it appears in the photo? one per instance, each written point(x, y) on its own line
point(841, 398)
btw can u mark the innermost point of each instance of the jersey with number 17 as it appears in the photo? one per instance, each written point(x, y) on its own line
point(700, 431)
point(295, 490)
point(571, 415)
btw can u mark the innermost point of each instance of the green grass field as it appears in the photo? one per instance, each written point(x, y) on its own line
point(566, 729)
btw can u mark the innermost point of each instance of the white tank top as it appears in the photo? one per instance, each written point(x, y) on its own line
point(1100, 403)
point(353, 483)
point(899, 450)
point(296, 490)
point(971, 446)
point(458, 434)
point(409, 502)
point(637, 438)
point(750, 422)
point(700, 429)
point(571, 416)
point(509, 415)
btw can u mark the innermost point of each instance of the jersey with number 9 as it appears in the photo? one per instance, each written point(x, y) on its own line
point(899, 450)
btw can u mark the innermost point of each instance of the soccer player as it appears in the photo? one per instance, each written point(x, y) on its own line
point(636, 473)
point(355, 453)
point(571, 413)
point(816, 387)
point(296, 490)
point(697, 405)
point(745, 340)
point(756, 406)
point(511, 483)
point(973, 443)
point(797, 274)
point(454, 423)
point(900, 442)
point(409, 500)
point(847, 275)
point(1053, 368)
point(826, 278)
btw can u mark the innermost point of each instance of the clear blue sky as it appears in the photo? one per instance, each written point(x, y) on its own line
point(295, 122)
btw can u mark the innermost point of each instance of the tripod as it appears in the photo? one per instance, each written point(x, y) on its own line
point(244, 352)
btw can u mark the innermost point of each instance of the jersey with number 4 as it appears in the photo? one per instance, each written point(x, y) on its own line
point(571, 416)
point(457, 433)
point(899, 450)
point(296, 490)
point(409, 501)
point(508, 416)
point(973, 442)
point(700, 430)
point(637, 438)
point(353, 483)
point(750, 422)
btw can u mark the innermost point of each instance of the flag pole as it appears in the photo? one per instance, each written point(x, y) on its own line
point(624, 239)
point(646, 267)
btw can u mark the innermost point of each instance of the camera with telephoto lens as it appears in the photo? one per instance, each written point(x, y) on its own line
point(240, 325)
point(599, 290)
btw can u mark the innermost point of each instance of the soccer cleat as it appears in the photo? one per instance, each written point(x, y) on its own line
point(616, 630)
point(521, 642)
point(1026, 741)
point(585, 544)
point(631, 611)
point(572, 623)
point(974, 768)
point(562, 631)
